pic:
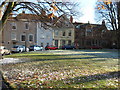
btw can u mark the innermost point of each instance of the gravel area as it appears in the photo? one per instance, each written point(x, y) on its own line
point(9, 60)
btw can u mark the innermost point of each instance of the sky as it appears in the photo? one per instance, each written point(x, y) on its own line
point(87, 7)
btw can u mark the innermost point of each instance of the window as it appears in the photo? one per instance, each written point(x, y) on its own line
point(26, 25)
point(63, 42)
point(47, 36)
point(41, 44)
point(14, 27)
point(47, 44)
point(78, 27)
point(88, 42)
point(69, 34)
point(30, 37)
point(23, 37)
point(56, 32)
point(69, 42)
point(56, 43)
point(63, 33)
point(13, 36)
point(88, 32)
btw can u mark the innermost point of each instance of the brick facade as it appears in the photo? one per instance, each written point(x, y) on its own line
point(87, 35)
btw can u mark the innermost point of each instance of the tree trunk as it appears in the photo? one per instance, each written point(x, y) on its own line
point(118, 25)
point(0, 37)
point(6, 14)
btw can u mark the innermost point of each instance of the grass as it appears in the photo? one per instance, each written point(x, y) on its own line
point(51, 70)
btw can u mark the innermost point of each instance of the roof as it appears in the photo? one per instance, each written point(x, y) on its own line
point(43, 18)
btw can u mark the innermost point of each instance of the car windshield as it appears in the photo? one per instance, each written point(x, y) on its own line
point(15, 46)
point(1, 47)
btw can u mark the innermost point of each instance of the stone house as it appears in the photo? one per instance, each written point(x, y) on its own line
point(87, 35)
point(63, 32)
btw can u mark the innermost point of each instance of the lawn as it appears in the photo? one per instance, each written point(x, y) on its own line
point(52, 70)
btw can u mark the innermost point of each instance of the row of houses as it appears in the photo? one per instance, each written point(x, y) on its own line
point(29, 29)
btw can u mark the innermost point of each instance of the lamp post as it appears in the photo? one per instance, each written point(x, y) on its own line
point(25, 41)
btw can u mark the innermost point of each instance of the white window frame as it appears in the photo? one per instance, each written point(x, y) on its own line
point(14, 24)
point(13, 33)
point(56, 33)
point(29, 38)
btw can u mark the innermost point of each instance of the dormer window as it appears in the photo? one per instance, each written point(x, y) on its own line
point(89, 30)
point(78, 26)
point(14, 26)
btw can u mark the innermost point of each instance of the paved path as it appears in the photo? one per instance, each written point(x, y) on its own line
point(9, 60)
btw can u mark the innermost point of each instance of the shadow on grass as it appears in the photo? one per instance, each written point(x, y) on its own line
point(36, 58)
point(84, 79)
point(55, 59)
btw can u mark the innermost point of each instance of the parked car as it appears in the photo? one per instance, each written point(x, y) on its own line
point(68, 47)
point(4, 51)
point(19, 48)
point(35, 48)
point(94, 47)
point(51, 47)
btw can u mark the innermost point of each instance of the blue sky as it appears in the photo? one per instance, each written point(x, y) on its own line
point(86, 7)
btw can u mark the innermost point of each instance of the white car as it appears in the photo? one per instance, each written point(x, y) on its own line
point(35, 48)
point(4, 51)
point(19, 48)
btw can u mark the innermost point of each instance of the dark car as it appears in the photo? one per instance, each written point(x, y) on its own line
point(51, 47)
point(68, 47)
point(35, 48)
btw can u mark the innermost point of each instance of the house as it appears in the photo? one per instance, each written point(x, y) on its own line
point(30, 29)
point(20, 30)
point(44, 35)
point(87, 35)
point(63, 32)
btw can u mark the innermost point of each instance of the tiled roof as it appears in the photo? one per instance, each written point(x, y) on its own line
point(31, 17)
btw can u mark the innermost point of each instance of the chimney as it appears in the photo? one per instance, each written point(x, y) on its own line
point(23, 11)
point(103, 22)
point(71, 19)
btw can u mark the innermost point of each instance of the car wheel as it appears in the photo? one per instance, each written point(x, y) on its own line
point(19, 51)
point(3, 54)
point(9, 53)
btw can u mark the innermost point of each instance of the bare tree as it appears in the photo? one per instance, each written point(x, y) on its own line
point(43, 9)
point(109, 12)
